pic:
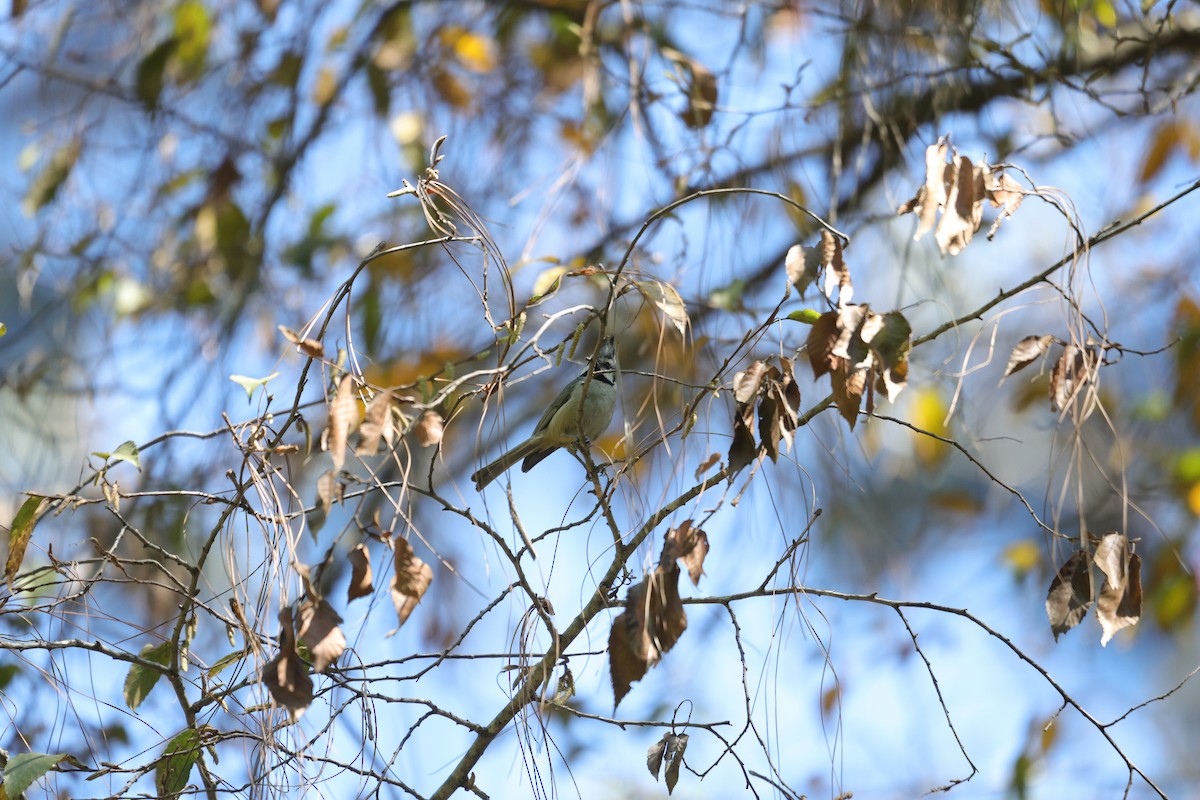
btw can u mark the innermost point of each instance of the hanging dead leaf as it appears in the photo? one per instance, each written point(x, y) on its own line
point(746, 382)
point(770, 427)
point(709, 463)
point(428, 430)
point(800, 272)
point(891, 346)
point(377, 425)
point(1027, 351)
point(309, 347)
point(1002, 192)
point(848, 387)
point(320, 632)
point(361, 583)
point(700, 86)
point(624, 667)
point(651, 624)
point(963, 212)
point(689, 545)
point(820, 343)
point(412, 577)
point(742, 450)
point(669, 750)
point(1120, 601)
point(285, 676)
point(857, 325)
point(1071, 372)
point(932, 195)
point(1070, 594)
point(342, 413)
point(837, 274)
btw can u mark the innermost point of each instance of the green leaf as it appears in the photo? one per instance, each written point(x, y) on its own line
point(251, 384)
point(20, 533)
point(126, 451)
point(7, 673)
point(225, 661)
point(152, 72)
point(44, 188)
point(192, 28)
point(175, 764)
point(141, 679)
point(806, 315)
point(22, 770)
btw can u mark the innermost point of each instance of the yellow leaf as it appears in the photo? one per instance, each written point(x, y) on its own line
point(1193, 499)
point(324, 87)
point(928, 412)
point(476, 53)
point(1023, 556)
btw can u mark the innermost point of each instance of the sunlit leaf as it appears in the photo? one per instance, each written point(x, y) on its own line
point(343, 413)
point(320, 632)
point(429, 428)
point(324, 86)
point(46, 184)
point(699, 86)
point(668, 301)
point(252, 384)
point(19, 534)
point(225, 661)
point(1120, 601)
point(140, 679)
point(1027, 351)
point(24, 768)
point(175, 765)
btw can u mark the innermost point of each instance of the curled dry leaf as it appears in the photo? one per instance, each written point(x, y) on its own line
point(837, 274)
point(963, 212)
point(932, 195)
point(801, 271)
point(708, 463)
point(669, 750)
point(377, 425)
point(1004, 193)
point(668, 301)
point(1120, 601)
point(412, 577)
point(1071, 372)
point(746, 382)
point(891, 346)
point(428, 430)
point(320, 632)
point(285, 676)
point(361, 583)
point(309, 347)
point(821, 339)
point(1070, 594)
point(342, 416)
point(1027, 351)
point(651, 624)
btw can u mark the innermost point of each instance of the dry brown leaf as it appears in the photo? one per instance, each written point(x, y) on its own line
point(377, 426)
point(770, 427)
point(801, 271)
point(821, 340)
point(746, 382)
point(742, 450)
point(655, 613)
point(669, 750)
point(342, 416)
point(320, 632)
point(848, 387)
point(932, 195)
point(624, 667)
point(851, 345)
point(309, 347)
point(412, 577)
point(1027, 351)
point(361, 583)
point(837, 274)
point(1070, 594)
point(708, 463)
point(1120, 601)
point(1004, 193)
point(329, 490)
point(1071, 373)
point(890, 347)
point(428, 430)
point(687, 544)
point(285, 676)
point(963, 212)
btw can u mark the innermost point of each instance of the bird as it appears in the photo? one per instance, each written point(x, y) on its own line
point(560, 423)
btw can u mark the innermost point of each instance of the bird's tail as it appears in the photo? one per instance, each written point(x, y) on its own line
point(486, 475)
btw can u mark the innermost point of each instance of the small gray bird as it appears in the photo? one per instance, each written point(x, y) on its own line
point(559, 425)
